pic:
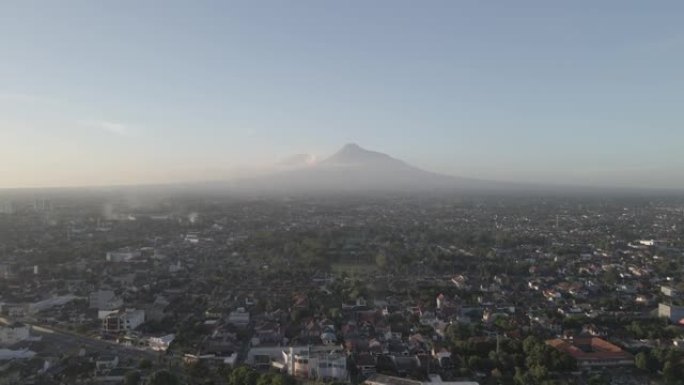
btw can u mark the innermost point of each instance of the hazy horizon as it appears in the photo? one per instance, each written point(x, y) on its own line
point(131, 92)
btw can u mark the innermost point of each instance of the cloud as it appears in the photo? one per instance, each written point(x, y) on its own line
point(115, 128)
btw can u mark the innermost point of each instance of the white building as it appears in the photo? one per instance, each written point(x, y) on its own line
point(670, 291)
point(192, 238)
point(123, 320)
point(107, 362)
point(161, 344)
point(239, 317)
point(673, 313)
point(102, 314)
point(316, 364)
point(11, 334)
point(123, 255)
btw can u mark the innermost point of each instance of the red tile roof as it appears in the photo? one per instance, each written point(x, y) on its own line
point(589, 349)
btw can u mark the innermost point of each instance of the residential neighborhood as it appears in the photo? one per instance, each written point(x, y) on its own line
point(387, 291)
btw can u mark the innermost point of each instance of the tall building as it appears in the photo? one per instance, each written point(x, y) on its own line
point(123, 320)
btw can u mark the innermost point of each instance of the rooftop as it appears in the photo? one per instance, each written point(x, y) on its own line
point(589, 348)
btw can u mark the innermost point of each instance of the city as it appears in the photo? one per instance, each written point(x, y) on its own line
point(514, 290)
point(386, 192)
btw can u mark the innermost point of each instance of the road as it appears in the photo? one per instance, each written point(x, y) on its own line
point(57, 342)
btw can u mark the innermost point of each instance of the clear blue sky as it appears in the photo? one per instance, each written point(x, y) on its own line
point(98, 92)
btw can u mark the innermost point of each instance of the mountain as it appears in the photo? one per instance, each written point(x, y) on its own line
point(355, 169)
point(353, 155)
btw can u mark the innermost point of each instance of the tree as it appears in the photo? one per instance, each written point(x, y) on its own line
point(265, 379)
point(598, 379)
point(164, 377)
point(611, 277)
point(474, 363)
point(641, 361)
point(670, 371)
point(223, 370)
point(520, 378)
point(529, 344)
point(198, 370)
point(132, 378)
point(381, 260)
point(145, 364)
point(243, 376)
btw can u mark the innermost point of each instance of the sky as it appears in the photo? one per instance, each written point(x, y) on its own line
point(126, 92)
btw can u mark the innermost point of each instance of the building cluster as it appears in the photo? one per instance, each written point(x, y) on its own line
point(375, 291)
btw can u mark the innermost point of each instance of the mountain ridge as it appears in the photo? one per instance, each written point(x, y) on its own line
point(352, 153)
point(354, 168)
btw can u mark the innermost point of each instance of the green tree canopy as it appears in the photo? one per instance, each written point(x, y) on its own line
point(164, 377)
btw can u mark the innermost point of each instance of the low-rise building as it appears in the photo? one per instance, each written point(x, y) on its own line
point(671, 312)
point(670, 291)
point(123, 255)
point(161, 344)
point(106, 362)
point(593, 352)
point(239, 317)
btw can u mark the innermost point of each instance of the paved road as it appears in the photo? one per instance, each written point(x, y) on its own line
point(71, 343)
point(57, 342)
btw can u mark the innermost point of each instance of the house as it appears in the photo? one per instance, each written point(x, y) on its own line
point(365, 364)
point(594, 330)
point(106, 362)
point(239, 317)
point(672, 312)
point(328, 336)
point(593, 352)
point(669, 291)
point(460, 282)
point(267, 333)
